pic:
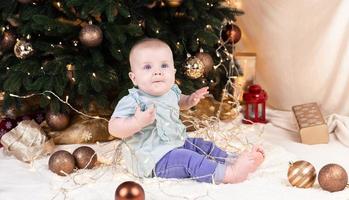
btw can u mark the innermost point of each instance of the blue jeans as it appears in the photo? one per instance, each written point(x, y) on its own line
point(197, 159)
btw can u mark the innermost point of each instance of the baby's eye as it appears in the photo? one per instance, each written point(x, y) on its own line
point(147, 67)
point(164, 66)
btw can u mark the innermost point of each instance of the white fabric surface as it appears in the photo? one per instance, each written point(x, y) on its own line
point(302, 51)
point(22, 181)
point(337, 124)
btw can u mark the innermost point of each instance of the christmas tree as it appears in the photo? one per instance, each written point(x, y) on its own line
point(78, 49)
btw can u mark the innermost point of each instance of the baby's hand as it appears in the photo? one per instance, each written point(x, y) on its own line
point(197, 96)
point(145, 118)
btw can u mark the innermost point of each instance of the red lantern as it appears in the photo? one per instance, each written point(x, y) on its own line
point(255, 99)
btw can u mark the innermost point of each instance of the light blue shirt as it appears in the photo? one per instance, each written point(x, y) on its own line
point(144, 149)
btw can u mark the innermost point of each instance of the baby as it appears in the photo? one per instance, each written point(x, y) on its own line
point(156, 144)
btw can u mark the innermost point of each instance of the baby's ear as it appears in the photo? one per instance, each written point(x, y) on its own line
point(132, 77)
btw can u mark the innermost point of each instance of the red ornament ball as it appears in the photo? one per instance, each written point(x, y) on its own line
point(129, 190)
point(85, 157)
point(231, 33)
point(61, 162)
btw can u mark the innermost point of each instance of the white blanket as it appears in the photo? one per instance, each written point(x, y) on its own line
point(22, 181)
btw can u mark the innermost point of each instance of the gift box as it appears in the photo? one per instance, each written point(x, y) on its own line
point(312, 126)
point(27, 141)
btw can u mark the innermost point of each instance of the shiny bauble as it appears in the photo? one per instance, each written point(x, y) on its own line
point(301, 174)
point(194, 68)
point(61, 162)
point(207, 60)
point(91, 35)
point(231, 33)
point(23, 49)
point(7, 41)
point(151, 5)
point(57, 121)
point(85, 157)
point(174, 3)
point(129, 190)
point(333, 178)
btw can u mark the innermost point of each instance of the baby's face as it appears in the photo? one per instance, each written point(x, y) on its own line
point(152, 68)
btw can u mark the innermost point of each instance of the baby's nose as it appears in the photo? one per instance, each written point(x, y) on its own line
point(157, 73)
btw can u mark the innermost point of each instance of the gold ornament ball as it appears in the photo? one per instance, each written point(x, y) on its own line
point(174, 3)
point(91, 35)
point(7, 41)
point(129, 190)
point(23, 49)
point(57, 121)
point(194, 68)
point(301, 174)
point(207, 60)
point(333, 177)
point(61, 162)
point(85, 157)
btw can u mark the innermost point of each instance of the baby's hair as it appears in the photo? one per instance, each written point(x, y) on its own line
point(144, 40)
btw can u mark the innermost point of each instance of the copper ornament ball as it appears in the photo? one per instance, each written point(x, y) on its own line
point(231, 33)
point(85, 157)
point(301, 174)
point(207, 60)
point(7, 41)
point(57, 121)
point(61, 162)
point(129, 190)
point(91, 35)
point(333, 178)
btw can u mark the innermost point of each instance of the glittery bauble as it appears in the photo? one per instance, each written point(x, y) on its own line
point(301, 174)
point(194, 68)
point(129, 190)
point(207, 60)
point(333, 178)
point(85, 157)
point(231, 32)
point(23, 49)
point(91, 35)
point(61, 162)
point(57, 121)
point(173, 3)
point(7, 41)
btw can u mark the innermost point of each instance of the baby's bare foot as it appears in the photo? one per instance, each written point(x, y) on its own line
point(239, 171)
point(258, 156)
point(247, 162)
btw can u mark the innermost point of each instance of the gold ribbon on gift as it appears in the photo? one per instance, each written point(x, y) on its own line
point(27, 141)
